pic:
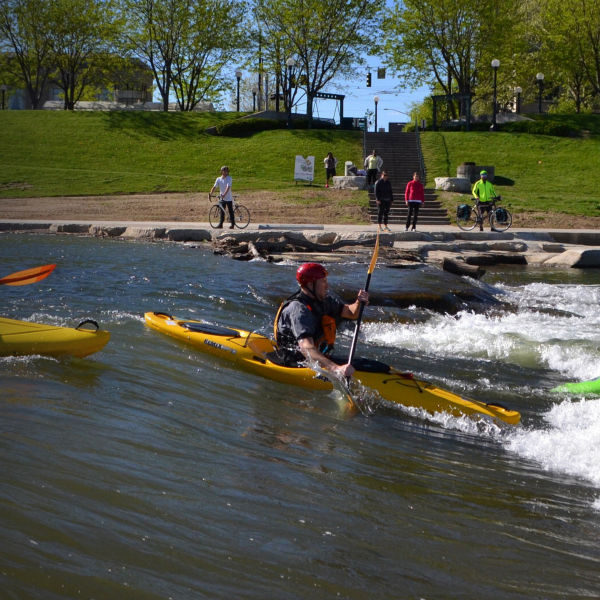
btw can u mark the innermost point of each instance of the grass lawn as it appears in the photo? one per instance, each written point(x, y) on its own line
point(63, 153)
point(534, 172)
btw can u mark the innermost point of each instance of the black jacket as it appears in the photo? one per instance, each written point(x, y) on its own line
point(383, 190)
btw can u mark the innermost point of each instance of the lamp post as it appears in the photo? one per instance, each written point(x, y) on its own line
point(238, 76)
point(518, 91)
point(376, 100)
point(3, 88)
point(495, 65)
point(254, 92)
point(540, 80)
point(291, 63)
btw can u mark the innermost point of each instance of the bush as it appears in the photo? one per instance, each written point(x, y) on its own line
point(540, 128)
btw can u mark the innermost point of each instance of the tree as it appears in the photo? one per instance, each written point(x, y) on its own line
point(570, 41)
point(327, 39)
point(81, 34)
point(185, 42)
point(24, 34)
point(210, 40)
point(450, 44)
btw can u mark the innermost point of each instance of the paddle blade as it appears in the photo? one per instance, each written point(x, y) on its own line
point(375, 254)
point(28, 276)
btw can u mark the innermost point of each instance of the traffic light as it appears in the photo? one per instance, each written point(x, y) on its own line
point(369, 79)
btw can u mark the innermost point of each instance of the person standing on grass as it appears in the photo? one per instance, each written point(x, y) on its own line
point(484, 194)
point(330, 165)
point(224, 183)
point(384, 198)
point(373, 164)
point(414, 196)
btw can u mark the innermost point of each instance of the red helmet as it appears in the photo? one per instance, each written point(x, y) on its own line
point(309, 272)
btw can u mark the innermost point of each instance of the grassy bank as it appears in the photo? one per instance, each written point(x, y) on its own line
point(111, 153)
point(63, 153)
point(534, 173)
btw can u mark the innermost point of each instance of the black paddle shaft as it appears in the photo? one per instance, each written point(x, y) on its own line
point(358, 320)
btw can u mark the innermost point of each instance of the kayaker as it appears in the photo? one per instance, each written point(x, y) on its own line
point(305, 324)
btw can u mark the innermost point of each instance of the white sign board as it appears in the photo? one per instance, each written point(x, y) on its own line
point(304, 169)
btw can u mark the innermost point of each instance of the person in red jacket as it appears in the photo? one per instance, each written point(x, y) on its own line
point(414, 196)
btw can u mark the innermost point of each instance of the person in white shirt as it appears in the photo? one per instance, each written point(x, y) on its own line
point(224, 183)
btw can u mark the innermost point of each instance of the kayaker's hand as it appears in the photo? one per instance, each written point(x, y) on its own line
point(363, 296)
point(344, 371)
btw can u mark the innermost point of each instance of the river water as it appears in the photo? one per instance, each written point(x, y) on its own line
point(149, 470)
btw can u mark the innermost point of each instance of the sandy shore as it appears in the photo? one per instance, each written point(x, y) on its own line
point(309, 205)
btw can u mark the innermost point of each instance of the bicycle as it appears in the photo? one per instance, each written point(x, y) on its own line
point(216, 214)
point(468, 217)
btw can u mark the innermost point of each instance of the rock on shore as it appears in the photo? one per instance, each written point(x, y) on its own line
point(447, 246)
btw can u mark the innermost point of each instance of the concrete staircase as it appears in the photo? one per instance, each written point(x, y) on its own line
point(401, 154)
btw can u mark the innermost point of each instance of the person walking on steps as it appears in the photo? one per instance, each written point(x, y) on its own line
point(373, 164)
point(305, 325)
point(330, 164)
point(384, 198)
point(484, 194)
point(414, 196)
point(224, 183)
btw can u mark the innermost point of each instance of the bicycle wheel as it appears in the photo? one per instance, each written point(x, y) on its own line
point(242, 216)
point(500, 219)
point(466, 217)
point(215, 216)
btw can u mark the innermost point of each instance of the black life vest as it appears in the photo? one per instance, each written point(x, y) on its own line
point(324, 337)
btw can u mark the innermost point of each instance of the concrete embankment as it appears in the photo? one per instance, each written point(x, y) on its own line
point(563, 248)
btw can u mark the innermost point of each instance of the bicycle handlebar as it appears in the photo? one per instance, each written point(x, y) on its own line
point(211, 196)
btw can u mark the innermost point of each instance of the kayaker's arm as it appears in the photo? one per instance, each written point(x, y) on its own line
point(308, 348)
point(350, 311)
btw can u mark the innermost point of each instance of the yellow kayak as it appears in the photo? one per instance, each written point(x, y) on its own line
point(250, 352)
point(18, 338)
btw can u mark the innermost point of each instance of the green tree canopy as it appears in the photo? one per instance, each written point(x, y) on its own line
point(81, 34)
point(327, 39)
point(186, 43)
point(450, 43)
point(24, 28)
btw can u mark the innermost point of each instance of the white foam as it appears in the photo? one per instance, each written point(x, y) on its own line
point(569, 444)
point(556, 327)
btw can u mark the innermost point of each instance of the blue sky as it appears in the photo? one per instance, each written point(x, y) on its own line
point(393, 97)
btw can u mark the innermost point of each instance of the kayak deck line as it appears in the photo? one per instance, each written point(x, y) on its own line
point(250, 351)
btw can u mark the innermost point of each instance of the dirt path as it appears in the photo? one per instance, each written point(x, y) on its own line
point(312, 205)
point(265, 207)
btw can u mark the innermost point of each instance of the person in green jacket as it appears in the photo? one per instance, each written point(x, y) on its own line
point(484, 194)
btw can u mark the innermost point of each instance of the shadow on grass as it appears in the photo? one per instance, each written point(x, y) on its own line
point(161, 125)
point(499, 180)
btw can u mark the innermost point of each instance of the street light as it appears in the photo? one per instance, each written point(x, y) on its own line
point(518, 91)
point(540, 80)
point(291, 63)
point(495, 65)
point(238, 75)
point(254, 92)
point(376, 99)
point(3, 88)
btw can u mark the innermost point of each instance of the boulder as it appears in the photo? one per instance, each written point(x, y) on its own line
point(453, 184)
point(350, 182)
point(187, 235)
point(577, 258)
